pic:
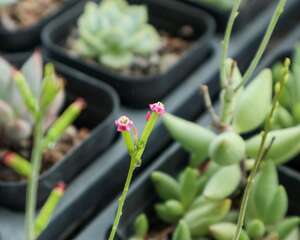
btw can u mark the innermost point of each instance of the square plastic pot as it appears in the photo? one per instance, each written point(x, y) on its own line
point(98, 117)
point(139, 91)
point(29, 37)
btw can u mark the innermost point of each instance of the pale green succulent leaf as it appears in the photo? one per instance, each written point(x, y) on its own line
point(285, 147)
point(254, 103)
point(141, 226)
point(166, 186)
point(117, 60)
point(223, 183)
point(182, 232)
point(192, 137)
point(287, 226)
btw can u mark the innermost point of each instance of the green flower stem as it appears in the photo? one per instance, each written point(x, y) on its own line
point(123, 198)
point(32, 186)
point(135, 162)
point(128, 142)
point(266, 39)
point(226, 41)
point(261, 153)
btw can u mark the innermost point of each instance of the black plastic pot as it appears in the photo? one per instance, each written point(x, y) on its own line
point(249, 10)
point(139, 91)
point(29, 37)
point(142, 196)
point(102, 107)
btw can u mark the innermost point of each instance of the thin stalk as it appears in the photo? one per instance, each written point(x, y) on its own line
point(32, 186)
point(263, 45)
point(226, 41)
point(261, 153)
point(122, 199)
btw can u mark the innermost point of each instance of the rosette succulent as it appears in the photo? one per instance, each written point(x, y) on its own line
point(16, 122)
point(113, 32)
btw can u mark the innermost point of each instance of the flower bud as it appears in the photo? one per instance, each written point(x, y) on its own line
point(47, 210)
point(18, 164)
point(64, 121)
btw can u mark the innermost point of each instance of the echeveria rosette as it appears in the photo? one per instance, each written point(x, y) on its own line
point(13, 107)
point(113, 32)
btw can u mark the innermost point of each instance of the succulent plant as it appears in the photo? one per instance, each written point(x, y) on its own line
point(199, 205)
point(113, 32)
point(16, 121)
point(288, 113)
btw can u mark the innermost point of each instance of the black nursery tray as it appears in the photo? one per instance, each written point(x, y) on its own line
point(142, 196)
point(249, 10)
point(139, 91)
point(29, 37)
point(102, 109)
point(98, 185)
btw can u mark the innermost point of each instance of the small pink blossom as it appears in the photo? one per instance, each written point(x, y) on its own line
point(148, 115)
point(123, 124)
point(158, 108)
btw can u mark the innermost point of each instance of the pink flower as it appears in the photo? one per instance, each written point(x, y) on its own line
point(158, 108)
point(123, 124)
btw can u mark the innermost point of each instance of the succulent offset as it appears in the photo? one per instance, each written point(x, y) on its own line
point(113, 32)
point(16, 121)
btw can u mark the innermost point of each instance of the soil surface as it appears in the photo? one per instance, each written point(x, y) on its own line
point(172, 48)
point(72, 138)
point(26, 13)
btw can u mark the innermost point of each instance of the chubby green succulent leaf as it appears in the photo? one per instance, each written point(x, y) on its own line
point(201, 218)
point(141, 226)
point(116, 60)
point(188, 186)
point(227, 148)
point(283, 118)
point(166, 186)
point(265, 187)
point(182, 232)
point(294, 235)
point(284, 148)
point(278, 207)
point(223, 183)
point(285, 227)
point(192, 137)
point(170, 211)
point(254, 103)
point(256, 229)
point(225, 231)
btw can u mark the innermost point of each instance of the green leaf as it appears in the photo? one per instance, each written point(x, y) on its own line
point(294, 235)
point(283, 118)
point(226, 231)
point(285, 147)
point(256, 229)
point(254, 103)
point(165, 186)
point(193, 138)
point(278, 207)
point(199, 220)
point(182, 232)
point(188, 186)
point(265, 187)
point(116, 60)
point(223, 183)
point(228, 148)
point(285, 227)
point(170, 211)
point(141, 226)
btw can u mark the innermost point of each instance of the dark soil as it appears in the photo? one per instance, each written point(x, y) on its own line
point(72, 138)
point(26, 13)
point(172, 48)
